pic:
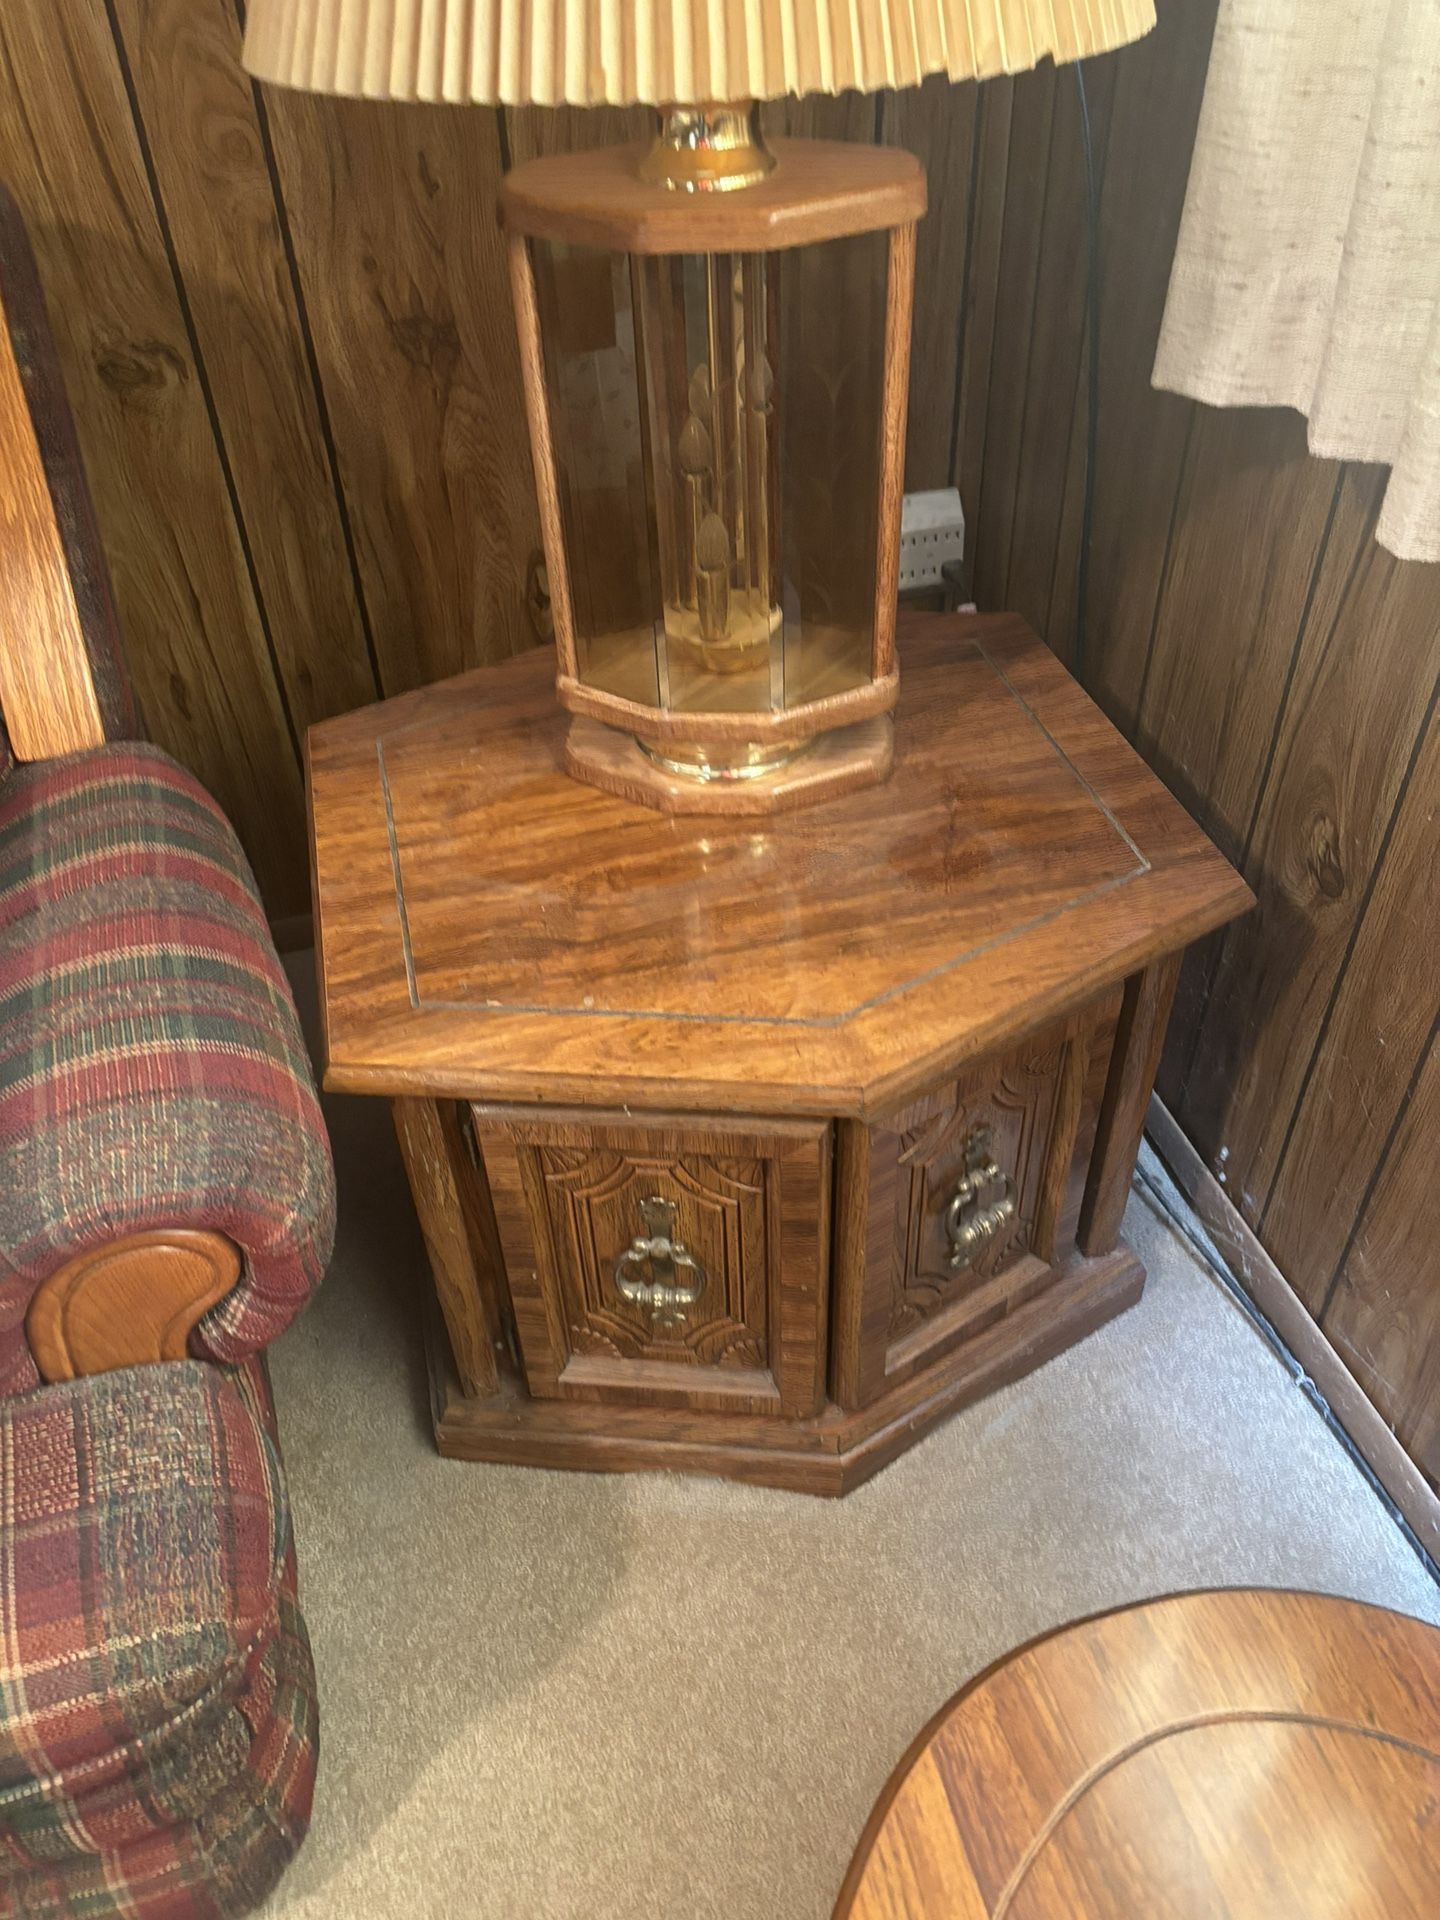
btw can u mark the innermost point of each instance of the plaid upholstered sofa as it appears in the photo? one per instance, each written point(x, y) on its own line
point(166, 1207)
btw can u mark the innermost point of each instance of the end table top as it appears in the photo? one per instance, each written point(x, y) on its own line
point(489, 928)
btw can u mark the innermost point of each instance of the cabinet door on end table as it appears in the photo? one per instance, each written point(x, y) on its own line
point(665, 1262)
point(957, 1206)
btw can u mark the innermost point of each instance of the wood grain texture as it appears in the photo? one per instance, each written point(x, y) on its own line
point(403, 276)
point(818, 190)
point(456, 1215)
point(1053, 392)
point(203, 126)
point(899, 1303)
point(1225, 635)
point(1383, 1312)
point(1021, 861)
point(46, 694)
point(129, 1302)
point(542, 454)
point(1400, 1476)
point(1142, 433)
point(1139, 1036)
point(141, 160)
point(942, 976)
point(1207, 712)
point(829, 1454)
point(981, 304)
point(894, 406)
point(751, 1204)
point(936, 122)
point(1363, 683)
point(1017, 277)
point(1363, 1071)
point(195, 638)
point(1270, 663)
point(1231, 1755)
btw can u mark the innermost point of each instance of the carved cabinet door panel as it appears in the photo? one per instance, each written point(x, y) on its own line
point(665, 1263)
point(957, 1206)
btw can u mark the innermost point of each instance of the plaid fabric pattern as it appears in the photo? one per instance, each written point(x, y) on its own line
point(152, 1071)
point(158, 1743)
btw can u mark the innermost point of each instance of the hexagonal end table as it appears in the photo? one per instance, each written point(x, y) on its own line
point(756, 1146)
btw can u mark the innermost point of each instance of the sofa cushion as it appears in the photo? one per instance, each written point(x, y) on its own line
point(146, 1529)
point(157, 1702)
point(152, 1072)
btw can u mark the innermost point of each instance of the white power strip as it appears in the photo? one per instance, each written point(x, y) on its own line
point(932, 531)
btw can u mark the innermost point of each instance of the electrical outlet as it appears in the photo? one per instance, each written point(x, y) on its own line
point(932, 531)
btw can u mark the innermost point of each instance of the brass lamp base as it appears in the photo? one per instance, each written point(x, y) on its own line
point(845, 761)
point(712, 148)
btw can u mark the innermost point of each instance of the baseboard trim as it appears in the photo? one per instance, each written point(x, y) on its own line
point(1278, 1301)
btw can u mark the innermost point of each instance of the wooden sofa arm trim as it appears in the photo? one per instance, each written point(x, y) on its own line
point(129, 1302)
point(46, 691)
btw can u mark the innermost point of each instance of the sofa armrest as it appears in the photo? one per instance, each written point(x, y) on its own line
point(129, 1302)
point(152, 1072)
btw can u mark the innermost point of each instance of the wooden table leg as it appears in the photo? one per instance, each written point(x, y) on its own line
point(452, 1199)
point(1139, 1037)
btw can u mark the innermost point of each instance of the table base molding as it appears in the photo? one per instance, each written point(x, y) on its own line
point(830, 1453)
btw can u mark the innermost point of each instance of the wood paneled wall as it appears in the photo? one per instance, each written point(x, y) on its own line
point(288, 340)
point(1276, 667)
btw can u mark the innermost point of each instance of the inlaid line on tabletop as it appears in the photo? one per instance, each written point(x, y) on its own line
point(813, 1023)
point(816, 1022)
point(1059, 751)
point(1157, 1736)
point(395, 874)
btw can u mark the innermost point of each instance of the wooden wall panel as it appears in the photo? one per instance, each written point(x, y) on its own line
point(1027, 172)
point(69, 149)
point(1058, 336)
point(203, 130)
point(1362, 1064)
point(1141, 433)
point(981, 304)
point(1275, 666)
point(1355, 710)
point(1251, 519)
point(1252, 512)
point(392, 210)
point(938, 123)
point(1384, 1311)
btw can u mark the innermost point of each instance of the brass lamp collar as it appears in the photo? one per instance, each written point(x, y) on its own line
point(710, 148)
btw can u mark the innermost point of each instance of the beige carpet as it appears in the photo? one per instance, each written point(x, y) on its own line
point(642, 1696)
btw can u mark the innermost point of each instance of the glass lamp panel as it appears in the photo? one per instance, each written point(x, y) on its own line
point(832, 372)
point(587, 328)
point(709, 345)
point(716, 420)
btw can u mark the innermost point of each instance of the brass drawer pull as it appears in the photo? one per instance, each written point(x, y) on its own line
point(983, 1203)
point(665, 1293)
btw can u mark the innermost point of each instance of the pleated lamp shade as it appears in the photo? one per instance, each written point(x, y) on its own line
point(617, 52)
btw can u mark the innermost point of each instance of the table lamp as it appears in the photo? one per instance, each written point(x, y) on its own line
point(714, 337)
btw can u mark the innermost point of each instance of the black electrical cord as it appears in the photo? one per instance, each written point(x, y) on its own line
point(1092, 409)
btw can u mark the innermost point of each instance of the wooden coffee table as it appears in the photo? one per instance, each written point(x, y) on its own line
point(1213, 1756)
point(756, 1147)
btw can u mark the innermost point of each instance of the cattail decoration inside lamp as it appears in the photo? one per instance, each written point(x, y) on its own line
point(714, 335)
